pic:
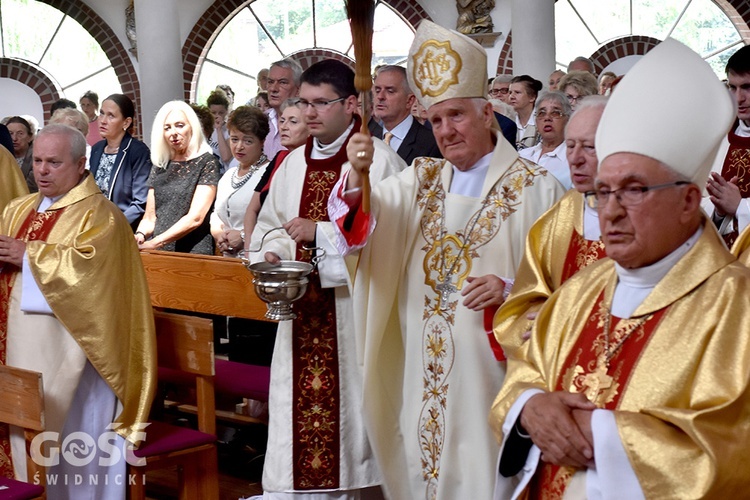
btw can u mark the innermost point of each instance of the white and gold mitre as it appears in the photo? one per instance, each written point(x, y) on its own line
point(671, 107)
point(444, 64)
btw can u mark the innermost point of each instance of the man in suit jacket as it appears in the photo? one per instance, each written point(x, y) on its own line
point(393, 100)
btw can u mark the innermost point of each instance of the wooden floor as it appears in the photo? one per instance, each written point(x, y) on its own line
point(162, 485)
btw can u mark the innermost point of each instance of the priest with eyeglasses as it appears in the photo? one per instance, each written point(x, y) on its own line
point(634, 383)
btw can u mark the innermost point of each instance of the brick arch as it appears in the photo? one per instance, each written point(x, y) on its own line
point(34, 77)
point(505, 59)
point(308, 57)
point(110, 44)
point(221, 12)
point(621, 47)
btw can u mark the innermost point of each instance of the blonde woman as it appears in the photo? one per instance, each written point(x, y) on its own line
point(182, 185)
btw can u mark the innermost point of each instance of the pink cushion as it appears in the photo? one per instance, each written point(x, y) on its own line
point(16, 490)
point(164, 438)
point(233, 379)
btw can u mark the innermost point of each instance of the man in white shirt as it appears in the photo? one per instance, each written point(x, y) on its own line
point(283, 83)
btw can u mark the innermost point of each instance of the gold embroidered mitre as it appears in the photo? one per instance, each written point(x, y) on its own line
point(444, 64)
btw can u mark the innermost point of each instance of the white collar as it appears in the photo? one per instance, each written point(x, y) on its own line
point(323, 151)
point(469, 182)
point(400, 130)
point(47, 202)
point(649, 276)
point(635, 285)
point(742, 129)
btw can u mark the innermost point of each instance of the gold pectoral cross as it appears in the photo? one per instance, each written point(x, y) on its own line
point(597, 381)
point(446, 288)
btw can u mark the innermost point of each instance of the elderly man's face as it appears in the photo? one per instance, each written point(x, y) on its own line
point(461, 130)
point(639, 235)
point(280, 86)
point(580, 148)
point(55, 170)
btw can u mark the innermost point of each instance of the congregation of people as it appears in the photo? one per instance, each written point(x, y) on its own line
point(519, 290)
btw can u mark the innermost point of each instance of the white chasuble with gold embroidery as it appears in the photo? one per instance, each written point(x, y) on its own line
point(430, 374)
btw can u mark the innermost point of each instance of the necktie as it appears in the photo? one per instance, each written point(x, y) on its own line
point(387, 138)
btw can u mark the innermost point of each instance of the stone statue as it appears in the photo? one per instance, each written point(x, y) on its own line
point(474, 16)
point(130, 28)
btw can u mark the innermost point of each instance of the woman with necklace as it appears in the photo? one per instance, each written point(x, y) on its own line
point(523, 93)
point(119, 163)
point(248, 128)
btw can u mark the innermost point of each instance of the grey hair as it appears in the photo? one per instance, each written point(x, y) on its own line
point(75, 138)
point(286, 104)
point(396, 69)
point(502, 79)
point(556, 97)
point(585, 60)
point(78, 120)
point(591, 101)
point(160, 150)
point(290, 63)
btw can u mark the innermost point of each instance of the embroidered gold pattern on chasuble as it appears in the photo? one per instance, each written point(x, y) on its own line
point(320, 183)
point(316, 398)
point(448, 259)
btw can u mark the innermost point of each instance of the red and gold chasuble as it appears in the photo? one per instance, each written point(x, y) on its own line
point(36, 226)
point(737, 164)
point(315, 396)
point(581, 253)
point(586, 370)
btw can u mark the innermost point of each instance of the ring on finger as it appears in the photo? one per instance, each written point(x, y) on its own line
point(361, 154)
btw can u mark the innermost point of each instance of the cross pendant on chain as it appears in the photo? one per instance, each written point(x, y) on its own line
point(446, 288)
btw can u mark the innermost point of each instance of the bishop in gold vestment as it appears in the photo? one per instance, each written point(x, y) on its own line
point(636, 382)
point(562, 241)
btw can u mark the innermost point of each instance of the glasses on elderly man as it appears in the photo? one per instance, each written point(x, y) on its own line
point(499, 91)
point(555, 114)
point(316, 105)
point(628, 196)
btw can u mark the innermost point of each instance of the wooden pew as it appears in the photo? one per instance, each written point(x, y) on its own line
point(211, 285)
point(202, 283)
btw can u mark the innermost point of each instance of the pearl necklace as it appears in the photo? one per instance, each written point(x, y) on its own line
point(238, 182)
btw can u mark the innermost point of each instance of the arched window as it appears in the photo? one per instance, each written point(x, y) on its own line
point(582, 26)
point(45, 37)
point(264, 31)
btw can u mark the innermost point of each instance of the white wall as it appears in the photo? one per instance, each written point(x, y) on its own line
point(18, 99)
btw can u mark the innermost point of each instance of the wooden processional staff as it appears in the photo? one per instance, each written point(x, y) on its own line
point(361, 15)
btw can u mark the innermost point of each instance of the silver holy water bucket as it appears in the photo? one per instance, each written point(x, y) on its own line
point(278, 285)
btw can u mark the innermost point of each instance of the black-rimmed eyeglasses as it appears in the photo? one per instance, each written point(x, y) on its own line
point(316, 105)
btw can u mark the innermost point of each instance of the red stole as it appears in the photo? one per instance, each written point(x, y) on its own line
point(737, 164)
point(36, 226)
point(581, 253)
point(315, 395)
point(579, 375)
